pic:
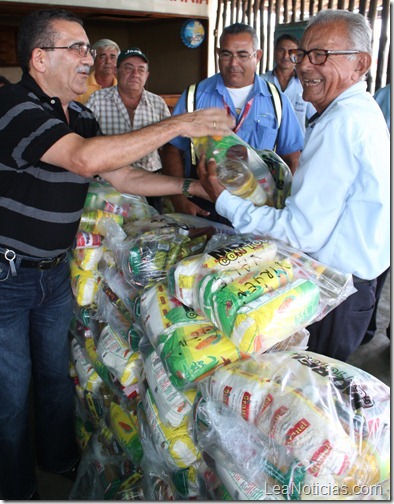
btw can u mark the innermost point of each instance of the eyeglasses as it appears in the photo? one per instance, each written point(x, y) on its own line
point(239, 56)
point(316, 56)
point(81, 48)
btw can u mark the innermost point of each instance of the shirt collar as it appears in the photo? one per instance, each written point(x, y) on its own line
point(259, 86)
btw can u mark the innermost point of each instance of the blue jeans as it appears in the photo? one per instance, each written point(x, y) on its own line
point(35, 313)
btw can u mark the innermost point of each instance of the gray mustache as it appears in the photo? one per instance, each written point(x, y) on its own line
point(83, 69)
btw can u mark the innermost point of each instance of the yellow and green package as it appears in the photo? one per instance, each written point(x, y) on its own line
point(190, 353)
point(84, 284)
point(233, 254)
point(174, 443)
point(90, 220)
point(274, 316)
point(118, 357)
point(87, 376)
point(160, 312)
point(232, 147)
point(88, 258)
point(221, 302)
point(125, 428)
point(172, 404)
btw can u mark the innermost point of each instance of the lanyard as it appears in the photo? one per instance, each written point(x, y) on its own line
point(243, 116)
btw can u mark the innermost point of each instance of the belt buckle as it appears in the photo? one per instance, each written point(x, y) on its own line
point(45, 264)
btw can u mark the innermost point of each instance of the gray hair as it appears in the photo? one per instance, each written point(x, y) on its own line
point(236, 28)
point(359, 31)
point(106, 43)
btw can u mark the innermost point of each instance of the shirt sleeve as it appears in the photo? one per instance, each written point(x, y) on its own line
point(319, 195)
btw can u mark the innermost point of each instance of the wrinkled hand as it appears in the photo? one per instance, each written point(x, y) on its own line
point(207, 122)
point(185, 205)
point(207, 174)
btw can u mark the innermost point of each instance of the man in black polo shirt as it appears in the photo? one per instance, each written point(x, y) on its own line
point(50, 147)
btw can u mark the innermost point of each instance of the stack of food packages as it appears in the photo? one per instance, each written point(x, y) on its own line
point(192, 375)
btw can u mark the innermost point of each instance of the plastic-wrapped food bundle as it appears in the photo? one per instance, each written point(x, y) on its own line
point(191, 352)
point(105, 472)
point(309, 426)
point(87, 376)
point(146, 259)
point(103, 196)
point(172, 404)
point(161, 312)
point(174, 445)
point(118, 357)
point(88, 258)
point(257, 291)
point(90, 220)
point(232, 149)
point(84, 284)
point(281, 174)
point(223, 253)
point(124, 424)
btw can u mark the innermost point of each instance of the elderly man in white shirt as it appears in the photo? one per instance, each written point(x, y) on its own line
point(339, 209)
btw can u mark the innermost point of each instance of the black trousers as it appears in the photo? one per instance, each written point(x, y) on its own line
point(341, 332)
point(372, 323)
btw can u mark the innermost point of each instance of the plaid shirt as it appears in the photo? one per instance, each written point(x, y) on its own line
point(111, 113)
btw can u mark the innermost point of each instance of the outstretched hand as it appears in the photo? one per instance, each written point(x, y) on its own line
point(207, 122)
point(207, 174)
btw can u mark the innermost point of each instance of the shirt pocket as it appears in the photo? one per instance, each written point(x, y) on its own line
point(266, 131)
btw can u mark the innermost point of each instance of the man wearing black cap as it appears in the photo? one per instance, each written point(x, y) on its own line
point(129, 106)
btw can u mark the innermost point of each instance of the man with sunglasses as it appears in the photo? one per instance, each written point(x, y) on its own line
point(50, 148)
point(339, 209)
point(238, 89)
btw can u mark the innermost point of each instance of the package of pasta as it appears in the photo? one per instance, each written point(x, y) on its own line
point(84, 284)
point(172, 404)
point(88, 378)
point(275, 315)
point(124, 424)
point(174, 444)
point(223, 253)
point(161, 312)
point(118, 357)
point(191, 352)
point(320, 427)
point(233, 148)
point(88, 258)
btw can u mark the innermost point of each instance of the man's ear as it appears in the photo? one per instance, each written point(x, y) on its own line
point(364, 63)
point(38, 59)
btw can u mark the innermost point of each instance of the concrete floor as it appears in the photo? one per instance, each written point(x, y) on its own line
point(374, 357)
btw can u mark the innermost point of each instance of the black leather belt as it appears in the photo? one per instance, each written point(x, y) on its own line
point(41, 264)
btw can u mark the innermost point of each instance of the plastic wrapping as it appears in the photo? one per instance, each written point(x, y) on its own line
point(84, 284)
point(298, 424)
point(118, 357)
point(103, 196)
point(172, 405)
point(88, 258)
point(161, 312)
point(174, 445)
point(257, 291)
point(104, 472)
point(270, 170)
